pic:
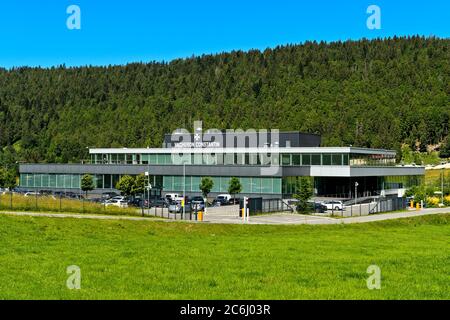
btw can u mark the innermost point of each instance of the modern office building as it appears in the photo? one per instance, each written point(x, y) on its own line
point(267, 165)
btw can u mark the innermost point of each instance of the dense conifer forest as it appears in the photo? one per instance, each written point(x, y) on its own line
point(371, 93)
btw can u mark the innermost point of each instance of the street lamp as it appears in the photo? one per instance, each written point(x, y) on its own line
point(184, 190)
point(442, 186)
point(356, 191)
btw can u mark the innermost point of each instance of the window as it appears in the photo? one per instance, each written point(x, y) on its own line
point(177, 183)
point(336, 159)
point(286, 159)
point(107, 181)
point(266, 185)
point(168, 183)
point(256, 185)
point(246, 185)
point(296, 160)
point(276, 185)
point(316, 159)
point(345, 160)
point(326, 159)
point(145, 158)
point(52, 181)
point(224, 183)
point(153, 159)
point(306, 159)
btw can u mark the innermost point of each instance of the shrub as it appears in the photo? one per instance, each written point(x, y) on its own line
point(447, 200)
point(433, 202)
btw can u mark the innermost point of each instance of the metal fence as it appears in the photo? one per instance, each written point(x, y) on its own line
point(378, 206)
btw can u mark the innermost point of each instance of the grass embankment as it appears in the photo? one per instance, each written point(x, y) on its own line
point(55, 204)
point(158, 260)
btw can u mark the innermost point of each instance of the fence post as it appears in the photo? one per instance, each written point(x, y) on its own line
point(36, 198)
point(60, 205)
point(10, 199)
point(360, 207)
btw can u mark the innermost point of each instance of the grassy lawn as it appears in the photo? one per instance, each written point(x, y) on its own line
point(162, 260)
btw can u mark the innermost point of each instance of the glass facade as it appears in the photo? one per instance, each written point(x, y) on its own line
point(37, 180)
point(285, 159)
point(249, 184)
point(73, 181)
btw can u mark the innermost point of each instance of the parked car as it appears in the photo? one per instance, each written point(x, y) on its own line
point(174, 207)
point(223, 199)
point(117, 203)
point(220, 202)
point(109, 195)
point(174, 197)
point(159, 203)
point(198, 202)
point(31, 194)
point(334, 205)
point(317, 207)
point(136, 202)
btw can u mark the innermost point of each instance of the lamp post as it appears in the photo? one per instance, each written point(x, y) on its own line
point(356, 191)
point(184, 190)
point(442, 186)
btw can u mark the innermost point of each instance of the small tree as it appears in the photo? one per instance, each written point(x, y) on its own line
point(87, 183)
point(303, 194)
point(445, 149)
point(2, 178)
point(206, 185)
point(139, 185)
point(10, 180)
point(126, 185)
point(234, 187)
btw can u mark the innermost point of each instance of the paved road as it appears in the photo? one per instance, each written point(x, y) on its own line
point(289, 218)
point(282, 218)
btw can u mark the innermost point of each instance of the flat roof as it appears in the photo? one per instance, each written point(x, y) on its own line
point(241, 150)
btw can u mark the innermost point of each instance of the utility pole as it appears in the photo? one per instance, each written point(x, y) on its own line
point(442, 186)
point(184, 190)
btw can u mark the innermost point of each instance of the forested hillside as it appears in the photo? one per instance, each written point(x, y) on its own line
point(378, 93)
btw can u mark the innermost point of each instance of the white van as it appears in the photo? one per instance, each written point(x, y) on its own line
point(174, 197)
point(224, 197)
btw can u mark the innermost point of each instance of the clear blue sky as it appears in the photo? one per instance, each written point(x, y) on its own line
point(34, 32)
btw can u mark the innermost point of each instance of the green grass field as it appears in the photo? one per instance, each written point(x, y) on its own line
point(175, 260)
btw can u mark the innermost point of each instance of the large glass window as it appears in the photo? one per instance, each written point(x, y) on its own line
point(296, 160)
point(306, 159)
point(286, 159)
point(266, 185)
point(276, 185)
point(336, 159)
point(326, 159)
point(224, 183)
point(168, 183)
point(256, 185)
point(178, 183)
point(316, 159)
point(52, 181)
point(246, 185)
point(195, 184)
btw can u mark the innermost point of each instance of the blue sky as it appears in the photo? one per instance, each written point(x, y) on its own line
point(34, 33)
